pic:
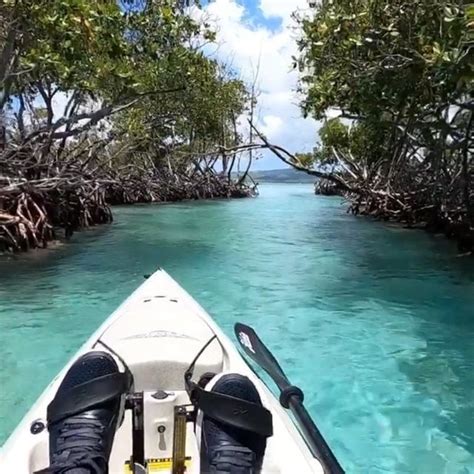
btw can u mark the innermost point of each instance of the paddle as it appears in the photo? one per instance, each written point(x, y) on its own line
point(290, 396)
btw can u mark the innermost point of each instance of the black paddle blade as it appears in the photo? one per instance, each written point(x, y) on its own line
point(259, 353)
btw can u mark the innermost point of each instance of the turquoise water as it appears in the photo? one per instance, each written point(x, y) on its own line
point(375, 323)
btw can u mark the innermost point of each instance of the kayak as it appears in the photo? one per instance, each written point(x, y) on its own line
point(158, 332)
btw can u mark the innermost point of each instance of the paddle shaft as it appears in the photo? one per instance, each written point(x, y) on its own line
point(290, 397)
point(314, 439)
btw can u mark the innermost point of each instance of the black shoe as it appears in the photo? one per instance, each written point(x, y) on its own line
point(226, 449)
point(84, 415)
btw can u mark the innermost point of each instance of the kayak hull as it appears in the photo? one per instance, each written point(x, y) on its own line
point(158, 331)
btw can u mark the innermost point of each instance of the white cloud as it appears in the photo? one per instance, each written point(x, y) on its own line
point(271, 127)
point(249, 45)
point(282, 8)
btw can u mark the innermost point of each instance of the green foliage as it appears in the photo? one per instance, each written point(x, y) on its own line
point(402, 72)
point(306, 159)
point(367, 56)
point(363, 141)
point(199, 117)
point(335, 134)
point(368, 141)
point(67, 41)
point(96, 46)
point(111, 53)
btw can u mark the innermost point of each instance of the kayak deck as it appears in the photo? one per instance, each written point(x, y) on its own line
point(158, 331)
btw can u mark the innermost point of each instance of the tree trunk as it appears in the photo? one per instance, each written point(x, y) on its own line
point(466, 173)
point(8, 59)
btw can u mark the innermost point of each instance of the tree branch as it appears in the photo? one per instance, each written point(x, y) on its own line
point(291, 160)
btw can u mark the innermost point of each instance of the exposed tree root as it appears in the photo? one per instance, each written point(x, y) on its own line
point(411, 195)
point(324, 187)
point(33, 211)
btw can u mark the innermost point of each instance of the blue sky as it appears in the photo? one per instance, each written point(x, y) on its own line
point(252, 32)
point(254, 13)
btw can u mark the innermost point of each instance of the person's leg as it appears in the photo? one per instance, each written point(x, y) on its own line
point(84, 415)
point(226, 449)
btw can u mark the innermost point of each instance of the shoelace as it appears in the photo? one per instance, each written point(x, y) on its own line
point(80, 445)
point(233, 460)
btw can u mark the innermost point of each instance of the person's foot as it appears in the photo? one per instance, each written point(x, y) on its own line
point(226, 449)
point(84, 415)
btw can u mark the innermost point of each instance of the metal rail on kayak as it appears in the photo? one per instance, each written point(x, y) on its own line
point(291, 397)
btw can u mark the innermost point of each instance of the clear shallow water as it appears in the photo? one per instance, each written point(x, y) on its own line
point(374, 322)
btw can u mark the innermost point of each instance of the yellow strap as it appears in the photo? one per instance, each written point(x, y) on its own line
point(157, 464)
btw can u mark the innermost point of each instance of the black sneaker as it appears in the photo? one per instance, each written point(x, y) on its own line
point(226, 449)
point(84, 415)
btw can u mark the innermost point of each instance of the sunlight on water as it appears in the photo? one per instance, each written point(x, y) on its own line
point(375, 323)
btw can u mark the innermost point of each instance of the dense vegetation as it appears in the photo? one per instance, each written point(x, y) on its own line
point(108, 102)
point(398, 74)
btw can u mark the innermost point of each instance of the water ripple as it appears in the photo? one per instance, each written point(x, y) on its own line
point(375, 323)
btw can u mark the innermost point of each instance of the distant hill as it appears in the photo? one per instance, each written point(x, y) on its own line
point(287, 175)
